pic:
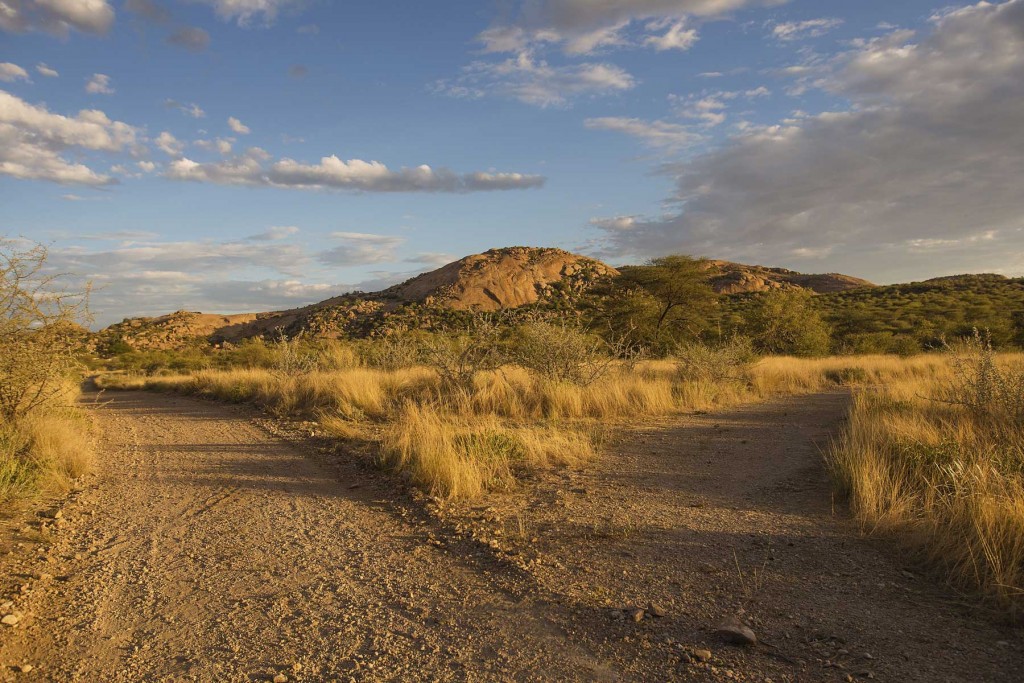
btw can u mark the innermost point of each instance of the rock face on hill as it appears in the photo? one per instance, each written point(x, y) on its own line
point(502, 278)
point(495, 280)
point(736, 278)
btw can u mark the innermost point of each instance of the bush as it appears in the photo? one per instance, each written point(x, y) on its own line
point(786, 322)
point(458, 357)
point(40, 335)
point(979, 383)
point(392, 352)
point(559, 352)
point(728, 362)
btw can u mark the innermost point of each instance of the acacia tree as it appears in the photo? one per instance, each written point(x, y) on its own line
point(40, 330)
point(670, 295)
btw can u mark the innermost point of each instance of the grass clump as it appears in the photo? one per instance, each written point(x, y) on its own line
point(937, 462)
point(44, 442)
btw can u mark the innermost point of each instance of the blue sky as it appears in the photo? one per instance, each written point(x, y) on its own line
point(230, 155)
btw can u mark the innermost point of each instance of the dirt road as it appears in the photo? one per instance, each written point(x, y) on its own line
point(208, 550)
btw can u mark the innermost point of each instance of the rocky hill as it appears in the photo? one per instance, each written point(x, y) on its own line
point(502, 278)
point(495, 280)
point(737, 278)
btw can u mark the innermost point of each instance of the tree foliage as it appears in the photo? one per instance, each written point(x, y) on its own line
point(786, 321)
point(40, 331)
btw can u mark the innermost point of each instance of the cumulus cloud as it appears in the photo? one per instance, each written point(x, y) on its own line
point(12, 72)
point(220, 145)
point(168, 144)
point(99, 84)
point(657, 134)
point(44, 70)
point(190, 38)
point(254, 168)
point(583, 26)
point(929, 153)
point(357, 248)
point(33, 141)
point(536, 82)
point(56, 16)
point(798, 30)
point(677, 36)
point(237, 126)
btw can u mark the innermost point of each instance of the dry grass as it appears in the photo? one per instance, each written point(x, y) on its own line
point(461, 442)
point(944, 478)
point(43, 453)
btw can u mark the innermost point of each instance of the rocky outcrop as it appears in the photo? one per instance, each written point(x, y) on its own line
point(502, 278)
point(737, 278)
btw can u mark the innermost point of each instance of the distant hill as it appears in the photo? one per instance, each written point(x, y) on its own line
point(495, 280)
point(862, 314)
point(737, 278)
point(906, 318)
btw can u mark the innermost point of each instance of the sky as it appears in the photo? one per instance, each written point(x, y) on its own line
point(246, 155)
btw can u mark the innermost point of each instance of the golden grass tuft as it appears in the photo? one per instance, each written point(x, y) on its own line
point(945, 480)
point(434, 433)
point(44, 452)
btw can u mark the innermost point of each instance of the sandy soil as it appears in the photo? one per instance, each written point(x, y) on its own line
point(206, 549)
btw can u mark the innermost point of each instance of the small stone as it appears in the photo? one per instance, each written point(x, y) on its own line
point(280, 678)
point(296, 667)
point(10, 620)
point(736, 632)
point(636, 615)
point(25, 668)
point(656, 610)
point(701, 655)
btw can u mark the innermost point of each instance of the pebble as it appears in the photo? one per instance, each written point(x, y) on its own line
point(702, 655)
point(25, 668)
point(656, 610)
point(10, 620)
point(280, 678)
point(736, 632)
point(636, 615)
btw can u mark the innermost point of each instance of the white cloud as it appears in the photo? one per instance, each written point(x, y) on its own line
point(237, 126)
point(359, 248)
point(12, 72)
point(146, 166)
point(32, 141)
point(168, 144)
point(44, 70)
point(929, 152)
point(245, 11)
point(56, 16)
point(536, 82)
point(274, 233)
point(582, 26)
point(220, 145)
point(799, 30)
point(678, 36)
point(99, 84)
point(332, 173)
point(658, 134)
